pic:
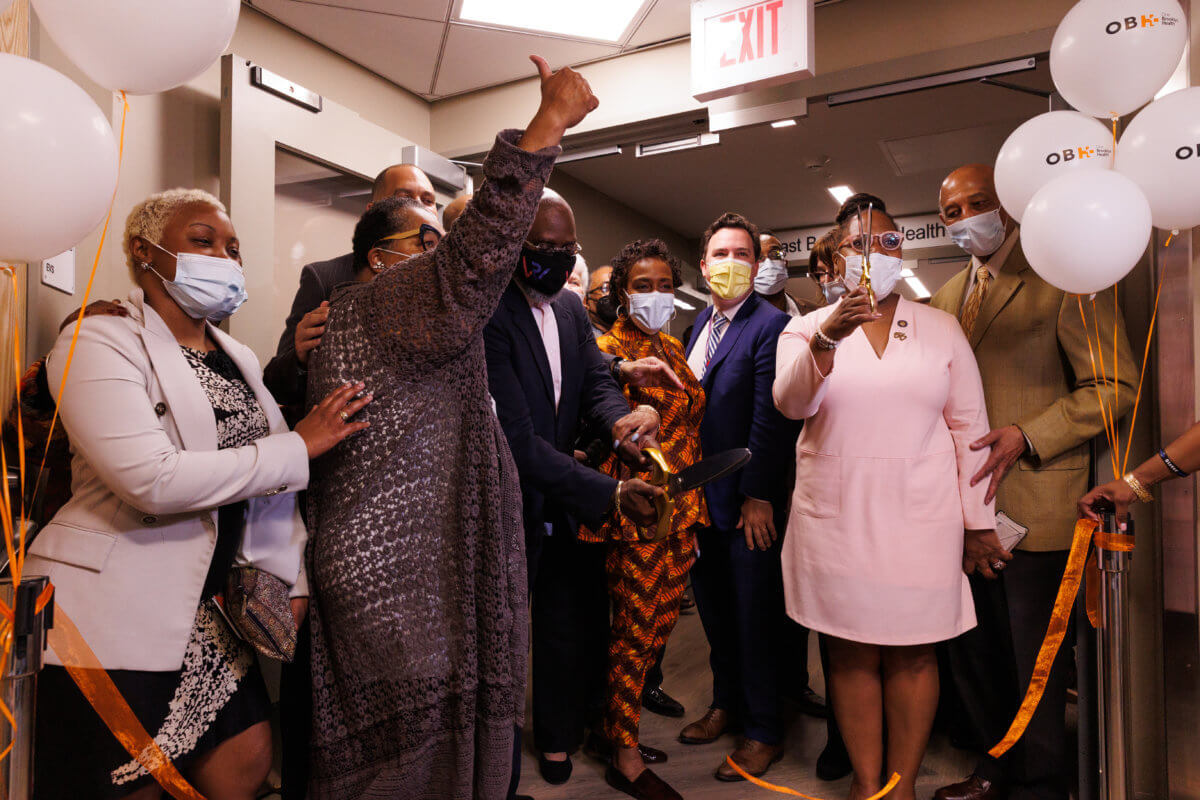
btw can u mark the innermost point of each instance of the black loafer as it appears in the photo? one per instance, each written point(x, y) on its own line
point(555, 772)
point(834, 763)
point(648, 786)
point(659, 702)
point(599, 748)
point(651, 756)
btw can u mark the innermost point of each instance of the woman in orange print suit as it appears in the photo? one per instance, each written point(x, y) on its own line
point(646, 578)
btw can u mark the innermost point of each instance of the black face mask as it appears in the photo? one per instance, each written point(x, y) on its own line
point(546, 271)
point(606, 309)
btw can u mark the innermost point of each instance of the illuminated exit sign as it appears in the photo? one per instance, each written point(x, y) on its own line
point(738, 45)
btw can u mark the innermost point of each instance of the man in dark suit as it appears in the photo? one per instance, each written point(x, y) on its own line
point(548, 377)
point(286, 374)
point(737, 579)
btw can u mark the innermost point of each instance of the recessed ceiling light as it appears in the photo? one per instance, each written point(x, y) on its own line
point(841, 193)
point(917, 287)
point(607, 21)
point(686, 306)
point(783, 123)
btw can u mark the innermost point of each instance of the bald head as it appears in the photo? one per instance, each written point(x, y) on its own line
point(454, 209)
point(968, 191)
point(554, 225)
point(406, 180)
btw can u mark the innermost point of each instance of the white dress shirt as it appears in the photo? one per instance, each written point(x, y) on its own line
point(697, 358)
point(547, 325)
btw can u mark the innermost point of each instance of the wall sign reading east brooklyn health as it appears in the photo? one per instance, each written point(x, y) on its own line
point(925, 230)
point(739, 45)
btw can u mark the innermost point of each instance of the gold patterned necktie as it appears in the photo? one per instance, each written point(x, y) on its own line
point(970, 312)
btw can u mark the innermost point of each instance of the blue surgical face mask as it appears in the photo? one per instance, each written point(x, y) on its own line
point(980, 235)
point(205, 287)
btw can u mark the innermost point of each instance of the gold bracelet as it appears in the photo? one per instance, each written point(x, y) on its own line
point(1139, 490)
point(617, 497)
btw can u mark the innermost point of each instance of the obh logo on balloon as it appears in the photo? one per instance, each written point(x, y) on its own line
point(1140, 21)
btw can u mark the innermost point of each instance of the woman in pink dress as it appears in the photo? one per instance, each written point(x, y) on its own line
point(874, 556)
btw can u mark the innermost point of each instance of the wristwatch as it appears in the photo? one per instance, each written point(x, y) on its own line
point(614, 368)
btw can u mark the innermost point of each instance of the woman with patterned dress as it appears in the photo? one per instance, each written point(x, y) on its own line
point(182, 465)
point(646, 578)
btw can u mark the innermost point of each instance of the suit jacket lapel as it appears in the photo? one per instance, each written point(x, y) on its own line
point(522, 316)
point(1006, 283)
point(730, 337)
point(193, 414)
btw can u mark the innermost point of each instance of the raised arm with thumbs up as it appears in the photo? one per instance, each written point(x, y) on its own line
point(566, 100)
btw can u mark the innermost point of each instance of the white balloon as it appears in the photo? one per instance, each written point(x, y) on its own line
point(59, 167)
point(1111, 56)
point(1045, 147)
point(1160, 151)
point(140, 46)
point(1086, 229)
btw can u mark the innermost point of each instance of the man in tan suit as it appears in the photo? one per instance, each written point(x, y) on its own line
point(1042, 402)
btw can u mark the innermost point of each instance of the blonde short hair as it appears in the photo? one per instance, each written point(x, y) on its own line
point(149, 218)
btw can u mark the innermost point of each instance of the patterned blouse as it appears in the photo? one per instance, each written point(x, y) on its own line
point(240, 419)
point(678, 433)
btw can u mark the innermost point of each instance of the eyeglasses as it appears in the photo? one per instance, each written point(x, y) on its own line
point(774, 253)
point(430, 236)
point(888, 240)
point(821, 275)
point(548, 248)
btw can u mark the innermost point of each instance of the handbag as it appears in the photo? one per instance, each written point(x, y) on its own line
point(258, 606)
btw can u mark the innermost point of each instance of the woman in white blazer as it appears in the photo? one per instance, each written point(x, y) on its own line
point(181, 464)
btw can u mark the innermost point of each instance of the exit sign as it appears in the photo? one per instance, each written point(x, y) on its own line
point(738, 45)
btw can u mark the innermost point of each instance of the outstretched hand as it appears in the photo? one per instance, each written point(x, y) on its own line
point(566, 100)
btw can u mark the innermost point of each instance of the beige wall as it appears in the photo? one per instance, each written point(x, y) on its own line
point(173, 139)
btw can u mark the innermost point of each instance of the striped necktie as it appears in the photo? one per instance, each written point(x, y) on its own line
point(719, 323)
point(970, 312)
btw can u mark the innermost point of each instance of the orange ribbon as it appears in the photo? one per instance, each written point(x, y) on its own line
point(96, 685)
point(891, 784)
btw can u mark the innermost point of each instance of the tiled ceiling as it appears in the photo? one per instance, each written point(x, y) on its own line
point(418, 44)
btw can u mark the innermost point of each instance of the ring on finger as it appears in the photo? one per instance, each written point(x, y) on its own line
point(345, 417)
point(997, 565)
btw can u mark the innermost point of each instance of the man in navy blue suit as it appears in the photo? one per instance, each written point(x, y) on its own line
point(737, 579)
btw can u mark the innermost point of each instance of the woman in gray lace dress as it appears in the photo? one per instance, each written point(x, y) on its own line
point(419, 623)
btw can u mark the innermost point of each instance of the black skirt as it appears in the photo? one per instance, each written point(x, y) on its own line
point(218, 694)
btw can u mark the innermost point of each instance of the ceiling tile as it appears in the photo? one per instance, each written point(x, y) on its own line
point(479, 57)
point(436, 10)
point(401, 49)
point(668, 19)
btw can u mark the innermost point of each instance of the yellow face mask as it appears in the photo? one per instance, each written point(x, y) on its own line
point(730, 279)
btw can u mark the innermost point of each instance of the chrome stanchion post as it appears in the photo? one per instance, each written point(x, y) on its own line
point(18, 686)
point(1112, 661)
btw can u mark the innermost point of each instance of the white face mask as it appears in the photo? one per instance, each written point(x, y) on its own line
point(885, 273)
point(980, 235)
point(651, 311)
point(205, 287)
point(772, 276)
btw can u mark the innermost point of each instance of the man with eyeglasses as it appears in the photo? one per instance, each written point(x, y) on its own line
point(548, 378)
point(286, 374)
point(771, 280)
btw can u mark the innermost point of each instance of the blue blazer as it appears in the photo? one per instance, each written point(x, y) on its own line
point(741, 411)
point(555, 488)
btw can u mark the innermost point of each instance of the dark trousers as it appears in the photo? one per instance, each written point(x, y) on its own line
point(739, 594)
point(295, 716)
point(570, 640)
point(991, 666)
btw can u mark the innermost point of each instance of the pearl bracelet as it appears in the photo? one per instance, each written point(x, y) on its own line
point(823, 341)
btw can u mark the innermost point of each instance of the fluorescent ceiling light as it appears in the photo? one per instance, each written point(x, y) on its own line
point(841, 193)
point(580, 155)
point(907, 273)
point(583, 19)
point(684, 305)
point(675, 145)
point(929, 82)
point(917, 287)
point(783, 123)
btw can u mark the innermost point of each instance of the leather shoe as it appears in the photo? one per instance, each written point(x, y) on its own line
point(661, 703)
point(752, 756)
point(973, 788)
point(555, 772)
point(834, 762)
point(706, 729)
point(813, 704)
point(599, 748)
point(648, 786)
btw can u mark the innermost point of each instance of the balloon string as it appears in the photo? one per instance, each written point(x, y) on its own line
point(86, 293)
point(1145, 358)
point(1116, 368)
point(1115, 117)
point(1169, 238)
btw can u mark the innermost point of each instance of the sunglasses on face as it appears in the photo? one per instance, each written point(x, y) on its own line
point(888, 240)
point(547, 248)
point(429, 235)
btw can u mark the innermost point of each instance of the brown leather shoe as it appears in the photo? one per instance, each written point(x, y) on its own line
point(648, 786)
point(706, 729)
point(752, 756)
point(973, 788)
